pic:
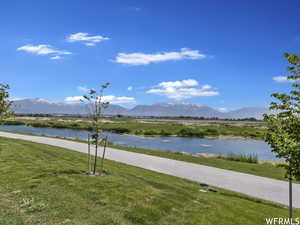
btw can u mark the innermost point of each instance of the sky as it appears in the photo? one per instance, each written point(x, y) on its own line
point(226, 54)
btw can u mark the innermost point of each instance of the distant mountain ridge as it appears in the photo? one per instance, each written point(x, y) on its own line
point(171, 109)
point(174, 109)
point(45, 106)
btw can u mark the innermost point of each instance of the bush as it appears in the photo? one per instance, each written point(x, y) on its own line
point(249, 134)
point(119, 130)
point(75, 125)
point(151, 132)
point(190, 132)
point(212, 131)
point(58, 125)
point(139, 132)
point(164, 133)
point(11, 122)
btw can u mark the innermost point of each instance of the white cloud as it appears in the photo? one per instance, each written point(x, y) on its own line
point(182, 89)
point(110, 98)
point(57, 57)
point(74, 98)
point(130, 88)
point(82, 89)
point(90, 44)
point(206, 86)
point(144, 59)
point(282, 79)
point(119, 100)
point(43, 50)
point(87, 39)
point(183, 83)
point(222, 109)
point(16, 99)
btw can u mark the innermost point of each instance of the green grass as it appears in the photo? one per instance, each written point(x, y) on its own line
point(152, 128)
point(40, 184)
point(264, 169)
point(248, 158)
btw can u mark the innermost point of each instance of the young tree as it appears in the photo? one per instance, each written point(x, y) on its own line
point(283, 127)
point(5, 104)
point(96, 106)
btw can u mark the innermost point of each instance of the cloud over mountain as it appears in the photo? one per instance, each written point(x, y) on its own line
point(183, 89)
point(108, 98)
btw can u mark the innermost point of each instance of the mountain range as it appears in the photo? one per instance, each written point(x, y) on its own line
point(171, 109)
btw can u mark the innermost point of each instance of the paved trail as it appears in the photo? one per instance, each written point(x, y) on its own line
point(260, 187)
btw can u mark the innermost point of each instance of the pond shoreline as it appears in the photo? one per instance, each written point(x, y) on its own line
point(216, 131)
point(221, 137)
point(193, 145)
point(264, 168)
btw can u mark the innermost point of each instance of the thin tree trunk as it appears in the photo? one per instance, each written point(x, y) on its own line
point(89, 155)
point(103, 155)
point(96, 154)
point(290, 197)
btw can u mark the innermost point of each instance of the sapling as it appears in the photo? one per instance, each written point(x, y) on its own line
point(96, 104)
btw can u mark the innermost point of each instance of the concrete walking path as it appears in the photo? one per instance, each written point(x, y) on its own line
point(256, 186)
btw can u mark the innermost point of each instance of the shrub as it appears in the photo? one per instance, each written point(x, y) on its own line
point(139, 132)
point(75, 125)
point(212, 131)
point(151, 132)
point(119, 130)
point(11, 122)
point(58, 125)
point(164, 133)
point(190, 132)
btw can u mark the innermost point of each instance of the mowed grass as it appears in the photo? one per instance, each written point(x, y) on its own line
point(41, 184)
point(265, 169)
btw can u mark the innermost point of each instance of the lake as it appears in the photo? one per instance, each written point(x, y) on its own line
point(179, 144)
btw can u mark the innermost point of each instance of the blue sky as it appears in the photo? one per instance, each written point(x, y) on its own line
point(224, 54)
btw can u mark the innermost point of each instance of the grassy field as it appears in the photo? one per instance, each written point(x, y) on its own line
point(262, 168)
point(40, 184)
point(138, 127)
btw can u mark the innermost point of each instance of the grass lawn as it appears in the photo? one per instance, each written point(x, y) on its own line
point(41, 184)
point(266, 169)
point(262, 169)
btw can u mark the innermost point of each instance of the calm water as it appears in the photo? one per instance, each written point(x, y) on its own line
point(186, 144)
